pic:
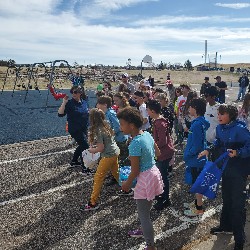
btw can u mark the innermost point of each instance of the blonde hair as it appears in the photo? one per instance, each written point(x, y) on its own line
point(162, 96)
point(97, 124)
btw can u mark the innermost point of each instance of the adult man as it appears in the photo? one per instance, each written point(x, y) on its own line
point(243, 83)
point(129, 85)
point(222, 87)
point(205, 86)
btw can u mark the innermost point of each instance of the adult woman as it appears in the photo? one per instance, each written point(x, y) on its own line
point(77, 113)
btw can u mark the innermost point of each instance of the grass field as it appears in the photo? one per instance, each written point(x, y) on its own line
point(177, 77)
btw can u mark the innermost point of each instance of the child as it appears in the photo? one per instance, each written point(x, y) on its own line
point(138, 96)
point(185, 88)
point(120, 101)
point(244, 111)
point(211, 112)
point(104, 103)
point(185, 117)
point(176, 126)
point(166, 111)
point(163, 140)
point(196, 143)
point(232, 136)
point(102, 136)
point(142, 151)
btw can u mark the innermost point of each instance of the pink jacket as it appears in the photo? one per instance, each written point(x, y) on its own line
point(162, 139)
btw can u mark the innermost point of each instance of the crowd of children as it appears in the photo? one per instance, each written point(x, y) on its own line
point(144, 124)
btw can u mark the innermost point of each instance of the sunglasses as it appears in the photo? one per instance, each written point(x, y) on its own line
point(75, 92)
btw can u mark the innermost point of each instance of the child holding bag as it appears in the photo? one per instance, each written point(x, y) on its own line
point(233, 136)
point(142, 152)
point(101, 135)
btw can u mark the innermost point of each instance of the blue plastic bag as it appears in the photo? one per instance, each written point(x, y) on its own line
point(124, 172)
point(208, 181)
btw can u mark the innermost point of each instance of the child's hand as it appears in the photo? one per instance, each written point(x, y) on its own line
point(65, 99)
point(203, 153)
point(232, 153)
point(126, 186)
point(92, 150)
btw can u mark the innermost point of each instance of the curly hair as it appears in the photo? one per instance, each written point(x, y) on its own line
point(131, 115)
point(97, 124)
point(229, 109)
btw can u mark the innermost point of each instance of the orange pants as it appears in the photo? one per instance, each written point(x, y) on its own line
point(105, 165)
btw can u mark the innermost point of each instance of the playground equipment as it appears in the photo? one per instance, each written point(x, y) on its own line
point(29, 76)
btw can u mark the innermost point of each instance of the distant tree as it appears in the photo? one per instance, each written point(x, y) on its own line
point(11, 62)
point(61, 65)
point(188, 65)
point(3, 63)
point(76, 65)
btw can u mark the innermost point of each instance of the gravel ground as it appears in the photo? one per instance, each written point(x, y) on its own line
point(40, 196)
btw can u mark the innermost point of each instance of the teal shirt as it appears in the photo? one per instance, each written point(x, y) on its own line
point(143, 146)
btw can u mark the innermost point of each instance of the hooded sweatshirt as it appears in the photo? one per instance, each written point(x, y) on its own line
point(234, 135)
point(196, 142)
point(162, 138)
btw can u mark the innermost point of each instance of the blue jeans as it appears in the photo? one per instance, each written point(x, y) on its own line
point(242, 92)
point(163, 167)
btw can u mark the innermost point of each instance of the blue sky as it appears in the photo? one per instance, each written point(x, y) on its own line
point(111, 31)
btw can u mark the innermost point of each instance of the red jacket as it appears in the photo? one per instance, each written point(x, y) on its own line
point(162, 139)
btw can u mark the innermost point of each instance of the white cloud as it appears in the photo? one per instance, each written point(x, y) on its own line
point(27, 7)
point(166, 20)
point(233, 5)
point(101, 8)
point(31, 33)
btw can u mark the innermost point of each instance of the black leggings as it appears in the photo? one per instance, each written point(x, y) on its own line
point(81, 139)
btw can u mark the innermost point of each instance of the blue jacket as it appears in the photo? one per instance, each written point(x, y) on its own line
point(77, 116)
point(115, 125)
point(235, 136)
point(196, 143)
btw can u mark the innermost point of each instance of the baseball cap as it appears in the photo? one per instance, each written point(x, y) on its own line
point(125, 75)
point(217, 77)
point(147, 84)
point(206, 78)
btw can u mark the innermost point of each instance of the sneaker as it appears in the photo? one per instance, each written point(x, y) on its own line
point(136, 233)
point(89, 207)
point(123, 193)
point(193, 212)
point(75, 164)
point(219, 230)
point(112, 181)
point(238, 246)
point(86, 171)
point(190, 205)
point(160, 205)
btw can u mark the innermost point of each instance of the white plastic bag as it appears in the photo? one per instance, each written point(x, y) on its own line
point(90, 160)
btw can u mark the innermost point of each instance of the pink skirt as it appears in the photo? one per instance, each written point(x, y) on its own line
point(149, 184)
